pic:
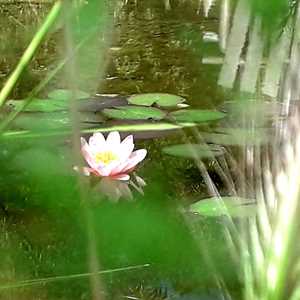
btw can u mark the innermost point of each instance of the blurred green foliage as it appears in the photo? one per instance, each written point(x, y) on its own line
point(274, 13)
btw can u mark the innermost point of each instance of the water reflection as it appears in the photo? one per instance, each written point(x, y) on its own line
point(115, 190)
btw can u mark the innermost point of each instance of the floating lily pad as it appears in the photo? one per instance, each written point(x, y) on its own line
point(66, 95)
point(237, 136)
point(161, 99)
point(39, 105)
point(225, 206)
point(196, 115)
point(194, 151)
point(134, 113)
point(54, 120)
point(42, 121)
point(98, 103)
point(91, 117)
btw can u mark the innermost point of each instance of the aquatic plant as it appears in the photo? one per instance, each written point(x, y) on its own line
point(111, 157)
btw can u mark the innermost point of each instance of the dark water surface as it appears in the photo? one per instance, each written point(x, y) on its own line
point(44, 227)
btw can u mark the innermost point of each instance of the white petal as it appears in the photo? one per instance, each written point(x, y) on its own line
point(119, 167)
point(123, 154)
point(136, 157)
point(123, 177)
point(107, 170)
point(126, 147)
point(97, 142)
point(87, 153)
point(113, 141)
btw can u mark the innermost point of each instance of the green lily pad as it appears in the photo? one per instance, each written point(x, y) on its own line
point(194, 151)
point(91, 117)
point(66, 95)
point(225, 206)
point(196, 115)
point(134, 113)
point(237, 136)
point(54, 120)
point(42, 121)
point(161, 99)
point(39, 105)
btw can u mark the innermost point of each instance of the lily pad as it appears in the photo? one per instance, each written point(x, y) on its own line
point(91, 117)
point(134, 113)
point(98, 103)
point(237, 136)
point(65, 95)
point(194, 151)
point(225, 206)
point(196, 115)
point(39, 105)
point(42, 121)
point(54, 120)
point(161, 99)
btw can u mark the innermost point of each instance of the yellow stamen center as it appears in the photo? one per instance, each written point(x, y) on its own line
point(105, 157)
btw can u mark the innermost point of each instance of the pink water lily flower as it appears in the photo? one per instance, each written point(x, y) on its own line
point(111, 157)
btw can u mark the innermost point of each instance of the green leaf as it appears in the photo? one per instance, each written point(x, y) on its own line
point(230, 206)
point(161, 99)
point(55, 120)
point(134, 113)
point(194, 151)
point(237, 136)
point(42, 121)
point(196, 115)
point(91, 117)
point(273, 13)
point(58, 100)
point(39, 105)
point(66, 95)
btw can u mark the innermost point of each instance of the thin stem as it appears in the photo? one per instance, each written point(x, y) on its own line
point(37, 89)
point(29, 52)
point(69, 277)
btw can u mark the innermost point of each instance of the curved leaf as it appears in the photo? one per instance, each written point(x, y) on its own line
point(237, 136)
point(39, 105)
point(196, 115)
point(134, 113)
point(42, 121)
point(194, 151)
point(54, 120)
point(230, 206)
point(161, 99)
point(66, 95)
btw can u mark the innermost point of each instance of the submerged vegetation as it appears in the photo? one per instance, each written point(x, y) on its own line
point(208, 90)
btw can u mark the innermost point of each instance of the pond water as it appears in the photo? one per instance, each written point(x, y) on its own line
point(51, 240)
